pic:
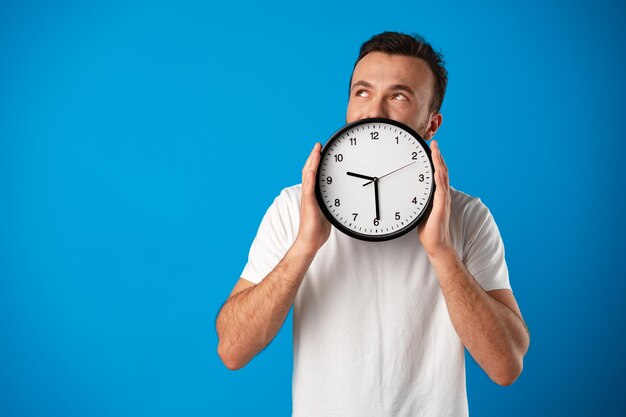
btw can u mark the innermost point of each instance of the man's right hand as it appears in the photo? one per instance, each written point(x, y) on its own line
point(314, 227)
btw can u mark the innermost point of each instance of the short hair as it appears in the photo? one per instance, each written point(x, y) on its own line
point(410, 45)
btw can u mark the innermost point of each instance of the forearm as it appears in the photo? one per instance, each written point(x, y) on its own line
point(249, 320)
point(495, 336)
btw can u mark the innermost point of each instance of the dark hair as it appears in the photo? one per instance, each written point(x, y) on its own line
point(410, 45)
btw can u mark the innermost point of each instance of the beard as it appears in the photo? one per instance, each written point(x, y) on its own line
point(422, 127)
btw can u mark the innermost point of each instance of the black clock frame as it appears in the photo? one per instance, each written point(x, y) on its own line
point(396, 233)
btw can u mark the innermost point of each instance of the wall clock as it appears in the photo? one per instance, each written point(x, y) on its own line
point(375, 179)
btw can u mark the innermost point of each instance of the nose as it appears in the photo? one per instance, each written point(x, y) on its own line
point(376, 108)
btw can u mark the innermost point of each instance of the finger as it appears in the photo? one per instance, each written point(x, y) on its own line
point(311, 170)
point(437, 159)
point(316, 151)
point(305, 178)
point(315, 158)
point(305, 168)
point(310, 186)
point(441, 171)
point(308, 161)
point(443, 162)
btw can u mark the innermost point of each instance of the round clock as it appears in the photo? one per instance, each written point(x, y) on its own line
point(375, 179)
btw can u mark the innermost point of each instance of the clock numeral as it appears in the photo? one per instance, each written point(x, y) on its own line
point(352, 141)
point(397, 215)
point(329, 180)
point(414, 155)
point(397, 140)
point(374, 135)
point(337, 202)
point(421, 177)
point(414, 201)
point(376, 222)
point(355, 214)
point(338, 157)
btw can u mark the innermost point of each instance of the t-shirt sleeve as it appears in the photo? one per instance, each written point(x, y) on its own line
point(274, 237)
point(483, 251)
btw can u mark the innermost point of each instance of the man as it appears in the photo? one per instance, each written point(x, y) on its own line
point(380, 327)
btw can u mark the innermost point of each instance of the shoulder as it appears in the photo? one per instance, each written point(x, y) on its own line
point(290, 196)
point(464, 205)
point(469, 215)
point(292, 191)
point(286, 204)
point(282, 217)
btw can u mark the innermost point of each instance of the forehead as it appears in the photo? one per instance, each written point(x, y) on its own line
point(382, 69)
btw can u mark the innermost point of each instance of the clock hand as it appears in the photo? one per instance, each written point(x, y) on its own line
point(360, 176)
point(390, 172)
point(376, 197)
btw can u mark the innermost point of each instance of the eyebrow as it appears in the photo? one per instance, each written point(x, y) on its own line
point(395, 87)
point(361, 83)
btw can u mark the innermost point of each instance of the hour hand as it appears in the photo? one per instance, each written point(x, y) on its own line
point(365, 177)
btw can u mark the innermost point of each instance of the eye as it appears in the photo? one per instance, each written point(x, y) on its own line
point(362, 93)
point(399, 97)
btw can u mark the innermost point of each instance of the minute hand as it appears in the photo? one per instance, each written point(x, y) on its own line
point(390, 173)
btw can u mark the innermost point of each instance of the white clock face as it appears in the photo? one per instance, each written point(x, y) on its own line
point(375, 179)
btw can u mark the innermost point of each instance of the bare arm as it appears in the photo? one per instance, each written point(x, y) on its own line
point(489, 324)
point(249, 320)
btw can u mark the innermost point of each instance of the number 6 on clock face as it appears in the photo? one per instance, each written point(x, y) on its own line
point(375, 179)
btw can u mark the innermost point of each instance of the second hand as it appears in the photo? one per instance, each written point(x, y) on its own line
point(369, 182)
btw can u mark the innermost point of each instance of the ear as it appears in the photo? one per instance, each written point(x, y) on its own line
point(433, 125)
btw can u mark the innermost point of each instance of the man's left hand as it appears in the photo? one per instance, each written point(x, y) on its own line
point(434, 232)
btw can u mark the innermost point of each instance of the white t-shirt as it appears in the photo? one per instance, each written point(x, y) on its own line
point(371, 332)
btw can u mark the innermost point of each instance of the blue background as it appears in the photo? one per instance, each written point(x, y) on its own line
point(142, 142)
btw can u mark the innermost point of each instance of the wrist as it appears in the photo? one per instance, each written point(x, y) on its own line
point(303, 249)
point(448, 266)
point(446, 253)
